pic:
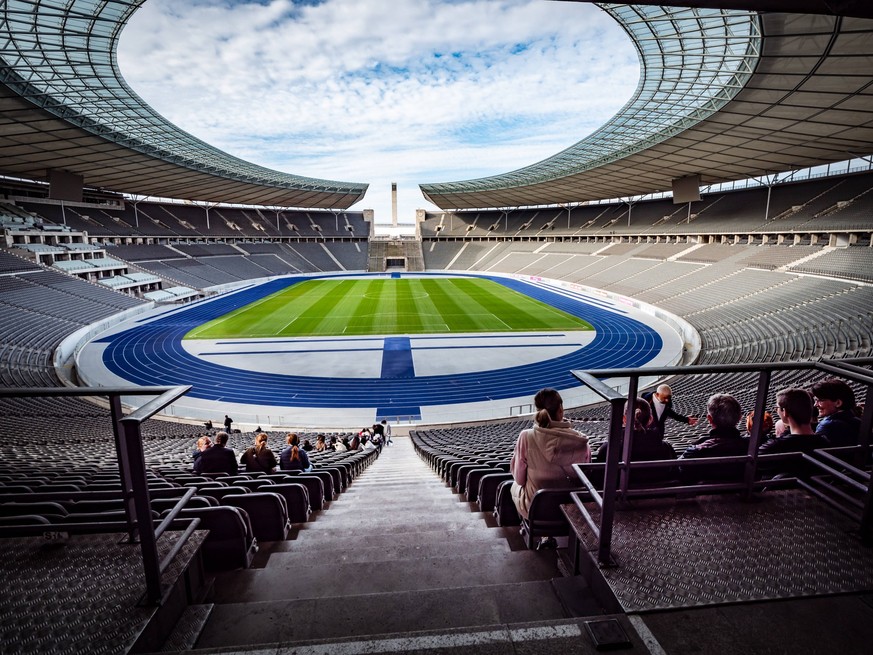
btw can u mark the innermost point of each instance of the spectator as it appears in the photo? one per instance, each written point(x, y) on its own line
point(543, 454)
point(338, 445)
point(227, 423)
point(320, 444)
point(766, 425)
point(794, 407)
point(723, 412)
point(307, 445)
point(218, 459)
point(386, 430)
point(203, 443)
point(837, 421)
point(661, 402)
point(647, 445)
point(259, 458)
point(292, 457)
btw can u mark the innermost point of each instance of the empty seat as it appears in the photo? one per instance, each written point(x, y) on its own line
point(297, 500)
point(504, 509)
point(231, 544)
point(313, 485)
point(267, 512)
point(219, 493)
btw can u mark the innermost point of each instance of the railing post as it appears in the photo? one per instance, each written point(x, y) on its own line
point(123, 467)
point(755, 437)
point(629, 411)
point(610, 478)
point(137, 487)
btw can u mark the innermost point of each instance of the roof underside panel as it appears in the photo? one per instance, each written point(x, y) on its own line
point(66, 106)
point(797, 93)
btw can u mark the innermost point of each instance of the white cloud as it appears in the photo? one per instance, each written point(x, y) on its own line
point(373, 91)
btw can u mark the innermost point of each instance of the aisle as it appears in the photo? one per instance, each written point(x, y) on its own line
point(397, 552)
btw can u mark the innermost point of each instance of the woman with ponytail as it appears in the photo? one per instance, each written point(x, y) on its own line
point(259, 458)
point(543, 454)
point(293, 457)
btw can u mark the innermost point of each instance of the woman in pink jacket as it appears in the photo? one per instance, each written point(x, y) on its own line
point(543, 454)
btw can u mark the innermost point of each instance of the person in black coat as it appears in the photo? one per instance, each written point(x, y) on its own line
point(661, 402)
point(217, 459)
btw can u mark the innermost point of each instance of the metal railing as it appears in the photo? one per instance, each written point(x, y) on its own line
point(136, 499)
point(616, 473)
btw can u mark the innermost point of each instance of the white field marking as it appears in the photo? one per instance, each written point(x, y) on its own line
point(282, 329)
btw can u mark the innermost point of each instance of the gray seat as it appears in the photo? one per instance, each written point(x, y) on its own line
point(231, 543)
point(544, 518)
point(267, 512)
point(297, 500)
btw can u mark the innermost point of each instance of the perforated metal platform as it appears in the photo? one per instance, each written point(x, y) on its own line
point(81, 596)
point(718, 549)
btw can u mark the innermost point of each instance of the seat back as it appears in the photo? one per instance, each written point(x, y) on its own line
point(219, 493)
point(314, 486)
point(230, 543)
point(267, 512)
point(504, 508)
point(544, 518)
point(487, 494)
point(297, 499)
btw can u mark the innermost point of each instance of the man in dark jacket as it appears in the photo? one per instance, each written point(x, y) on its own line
point(723, 413)
point(661, 402)
point(218, 459)
point(794, 407)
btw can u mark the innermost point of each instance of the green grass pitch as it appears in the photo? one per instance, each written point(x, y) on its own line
point(384, 306)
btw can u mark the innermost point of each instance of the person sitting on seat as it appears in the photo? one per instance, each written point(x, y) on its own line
point(543, 454)
point(723, 413)
point(217, 459)
point(794, 407)
point(203, 443)
point(259, 458)
point(320, 443)
point(837, 421)
point(766, 425)
point(293, 457)
point(338, 446)
point(307, 445)
point(648, 444)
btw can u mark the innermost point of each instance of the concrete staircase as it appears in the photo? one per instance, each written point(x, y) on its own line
point(397, 559)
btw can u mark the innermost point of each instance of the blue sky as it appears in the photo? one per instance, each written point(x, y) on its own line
point(376, 91)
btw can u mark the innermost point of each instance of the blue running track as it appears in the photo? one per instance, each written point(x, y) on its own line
point(152, 354)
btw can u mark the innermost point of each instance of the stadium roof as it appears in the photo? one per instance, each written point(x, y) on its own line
point(723, 94)
point(65, 106)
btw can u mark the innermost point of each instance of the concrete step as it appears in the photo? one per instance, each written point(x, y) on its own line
point(551, 637)
point(293, 581)
point(390, 551)
point(336, 617)
point(365, 530)
point(324, 542)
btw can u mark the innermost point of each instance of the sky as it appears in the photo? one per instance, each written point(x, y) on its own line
point(381, 91)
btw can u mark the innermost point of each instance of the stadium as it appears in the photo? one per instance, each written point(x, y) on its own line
point(716, 234)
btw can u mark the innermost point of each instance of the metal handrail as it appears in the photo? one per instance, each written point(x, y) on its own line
point(617, 467)
point(131, 463)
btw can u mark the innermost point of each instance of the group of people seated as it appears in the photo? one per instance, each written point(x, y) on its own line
point(824, 416)
point(216, 457)
point(213, 456)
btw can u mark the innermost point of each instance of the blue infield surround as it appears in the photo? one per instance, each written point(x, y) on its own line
point(151, 353)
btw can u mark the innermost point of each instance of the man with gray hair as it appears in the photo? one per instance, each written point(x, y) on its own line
point(661, 402)
point(723, 412)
